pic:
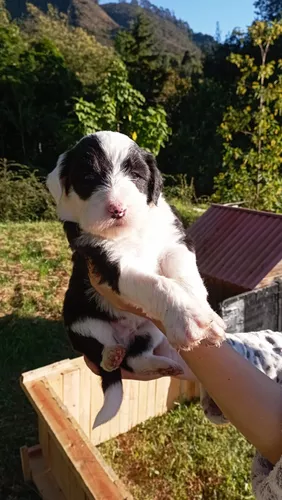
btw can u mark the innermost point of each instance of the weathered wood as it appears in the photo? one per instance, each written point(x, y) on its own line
point(68, 449)
point(67, 397)
point(40, 474)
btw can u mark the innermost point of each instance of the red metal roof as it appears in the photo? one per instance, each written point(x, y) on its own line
point(237, 245)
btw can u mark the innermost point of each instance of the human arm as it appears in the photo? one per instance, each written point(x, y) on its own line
point(249, 399)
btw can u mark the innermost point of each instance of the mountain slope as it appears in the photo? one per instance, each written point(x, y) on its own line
point(170, 38)
point(173, 36)
point(84, 13)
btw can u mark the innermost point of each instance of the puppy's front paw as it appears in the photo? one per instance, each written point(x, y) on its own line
point(190, 321)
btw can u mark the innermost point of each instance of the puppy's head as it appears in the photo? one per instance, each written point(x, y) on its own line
point(105, 183)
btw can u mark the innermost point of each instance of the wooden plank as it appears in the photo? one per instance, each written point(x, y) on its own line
point(76, 492)
point(151, 402)
point(71, 387)
point(25, 463)
point(162, 393)
point(173, 393)
point(58, 465)
point(42, 477)
point(85, 400)
point(134, 398)
point(142, 402)
point(47, 370)
point(123, 420)
point(78, 452)
point(56, 382)
point(43, 438)
point(96, 403)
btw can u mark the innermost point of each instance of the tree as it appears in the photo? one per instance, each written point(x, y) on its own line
point(84, 56)
point(217, 33)
point(36, 90)
point(194, 148)
point(251, 130)
point(146, 68)
point(120, 107)
point(269, 10)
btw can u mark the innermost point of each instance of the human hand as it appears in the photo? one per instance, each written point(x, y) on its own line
point(165, 350)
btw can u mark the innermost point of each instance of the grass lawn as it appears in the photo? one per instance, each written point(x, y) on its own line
point(181, 456)
point(34, 271)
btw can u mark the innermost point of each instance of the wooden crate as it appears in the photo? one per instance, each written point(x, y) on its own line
point(66, 465)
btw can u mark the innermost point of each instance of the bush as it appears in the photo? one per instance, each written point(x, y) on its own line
point(177, 186)
point(23, 195)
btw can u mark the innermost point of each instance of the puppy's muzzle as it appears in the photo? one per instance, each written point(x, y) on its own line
point(116, 210)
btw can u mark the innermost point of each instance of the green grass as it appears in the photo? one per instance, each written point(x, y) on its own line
point(34, 272)
point(181, 456)
point(189, 213)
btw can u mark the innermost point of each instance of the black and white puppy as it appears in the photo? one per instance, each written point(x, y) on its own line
point(108, 192)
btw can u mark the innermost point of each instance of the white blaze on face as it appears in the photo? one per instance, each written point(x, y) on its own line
point(118, 190)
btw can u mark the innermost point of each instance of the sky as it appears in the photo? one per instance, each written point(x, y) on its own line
point(202, 15)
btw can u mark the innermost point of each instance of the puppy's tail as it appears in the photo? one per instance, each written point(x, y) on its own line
point(113, 395)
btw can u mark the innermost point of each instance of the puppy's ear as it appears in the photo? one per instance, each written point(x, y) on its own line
point(155, 182)
point(54, 181)
point(58, 183)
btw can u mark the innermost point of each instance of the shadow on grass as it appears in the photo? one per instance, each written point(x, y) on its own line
point(26, 343)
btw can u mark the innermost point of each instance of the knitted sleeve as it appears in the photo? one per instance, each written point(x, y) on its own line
point(266, 479)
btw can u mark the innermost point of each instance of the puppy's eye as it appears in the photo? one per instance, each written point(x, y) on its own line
point(136, 175)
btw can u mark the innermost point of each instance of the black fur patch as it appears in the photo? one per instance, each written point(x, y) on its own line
point(77, 303)
point(85, 167)
point(92, 349)
point(139, 344)
point(155, 184)
point(106, 268)
point(142, 168)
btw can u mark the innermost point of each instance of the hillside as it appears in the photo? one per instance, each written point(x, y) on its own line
point(84, 13)
point(173, 36)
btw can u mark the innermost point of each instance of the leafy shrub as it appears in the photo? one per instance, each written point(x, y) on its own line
point(177, 186)
point(23, 195)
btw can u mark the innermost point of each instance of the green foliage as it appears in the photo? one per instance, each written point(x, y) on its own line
point(181, 455)
point(252, 130)
point(83, 55)
point(194, 148)
point(137, 48)
point(177, 186)
point(23, 195)
point(269, 9)
point(119, 107)
point(36, 89)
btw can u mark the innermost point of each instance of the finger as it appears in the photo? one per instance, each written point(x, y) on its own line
point(172, 371)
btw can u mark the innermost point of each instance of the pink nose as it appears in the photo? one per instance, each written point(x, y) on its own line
point(116, 210)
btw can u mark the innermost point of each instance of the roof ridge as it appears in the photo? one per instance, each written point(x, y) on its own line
point(248, 210)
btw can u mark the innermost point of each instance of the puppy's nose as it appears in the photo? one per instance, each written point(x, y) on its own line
point(116, 210)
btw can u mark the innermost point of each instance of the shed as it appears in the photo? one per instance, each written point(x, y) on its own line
point(238, 250)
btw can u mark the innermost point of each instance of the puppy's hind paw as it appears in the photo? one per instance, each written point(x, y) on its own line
point(112, 357)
